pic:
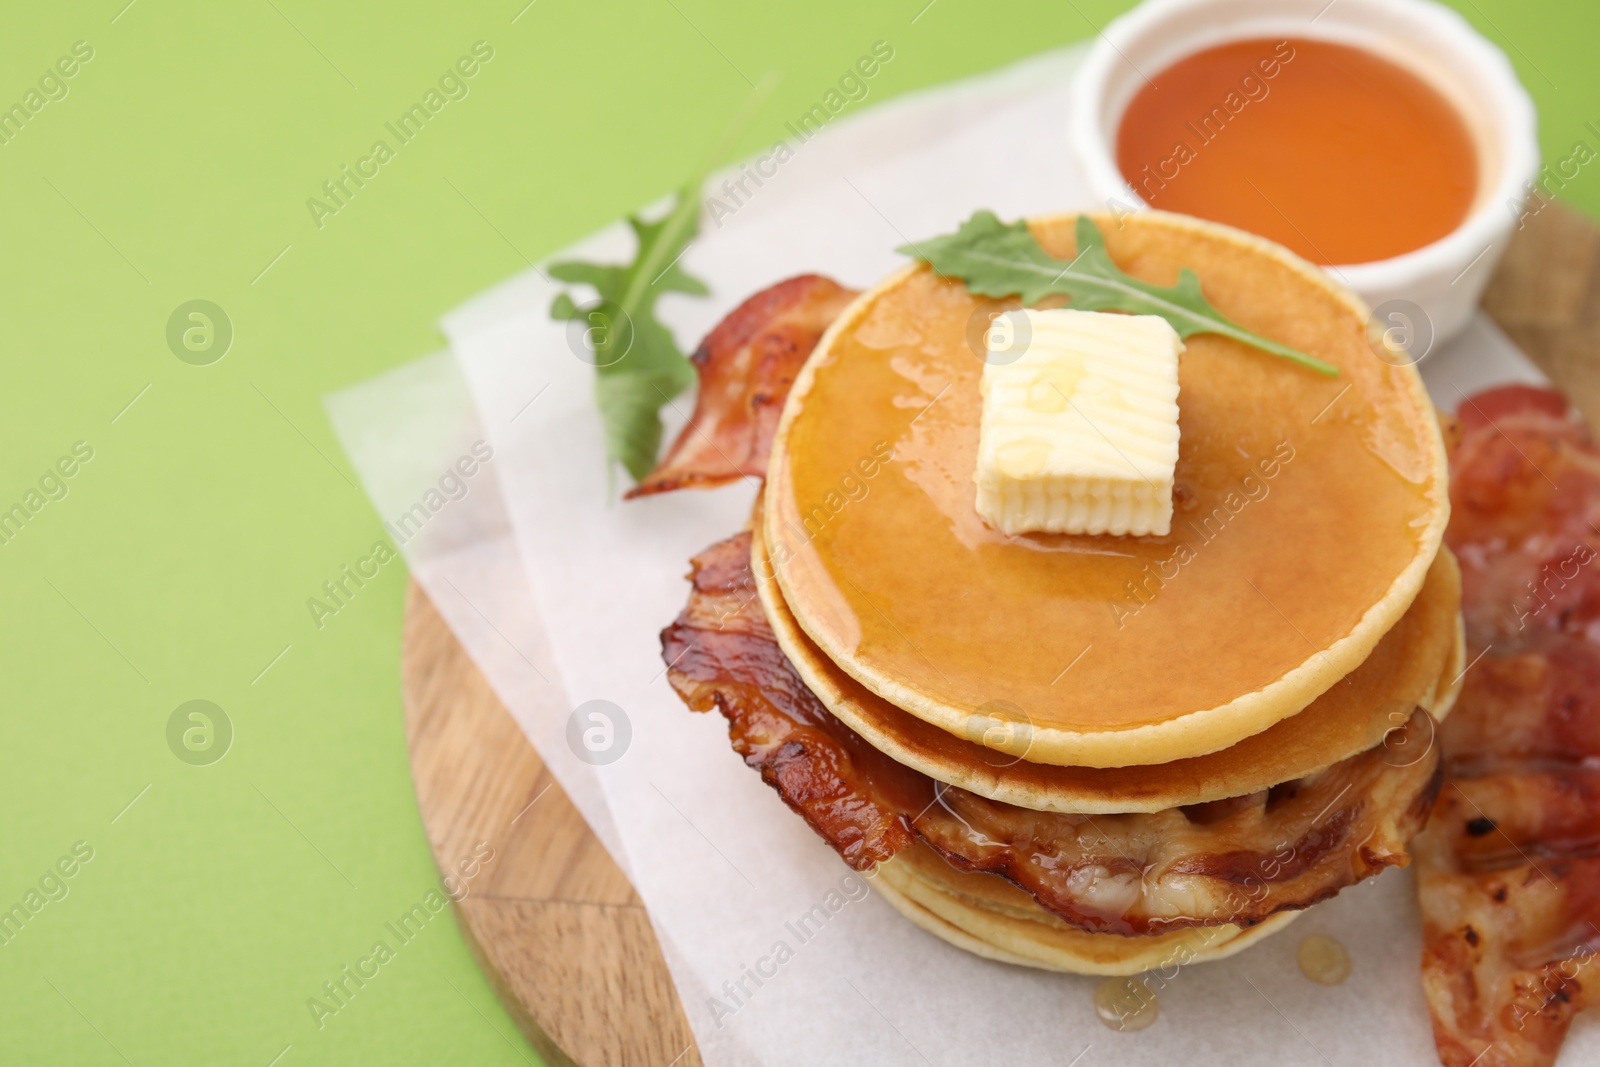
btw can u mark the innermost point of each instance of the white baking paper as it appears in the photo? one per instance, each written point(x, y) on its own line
point(558, 591)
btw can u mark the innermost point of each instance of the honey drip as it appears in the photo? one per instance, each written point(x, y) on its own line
point(1324, 960)
point(1126, 1004)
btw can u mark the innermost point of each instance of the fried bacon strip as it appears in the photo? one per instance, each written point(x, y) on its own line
point(1236, 861)
point(723, 655)
point(746, 365)
point(1508, 869)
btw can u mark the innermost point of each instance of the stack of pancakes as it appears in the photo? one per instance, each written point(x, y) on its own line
point(1134, 750)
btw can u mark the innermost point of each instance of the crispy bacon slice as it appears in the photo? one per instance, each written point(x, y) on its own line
point(1508, 869)
point(746, 365)
point(721, 654)
point(1235, 861)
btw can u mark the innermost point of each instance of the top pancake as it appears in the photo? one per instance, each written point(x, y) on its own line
point(1307, 512)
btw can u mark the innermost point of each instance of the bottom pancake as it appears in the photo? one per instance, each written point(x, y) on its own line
point(989, 917)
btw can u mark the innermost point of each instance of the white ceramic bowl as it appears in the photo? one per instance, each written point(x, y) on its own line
point(1443, 279)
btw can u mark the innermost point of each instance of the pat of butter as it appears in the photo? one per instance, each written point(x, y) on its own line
point(1079, 432)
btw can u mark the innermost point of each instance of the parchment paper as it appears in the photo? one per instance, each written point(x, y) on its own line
point(558, 591)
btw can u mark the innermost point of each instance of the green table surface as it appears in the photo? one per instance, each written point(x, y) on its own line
point(175, 564)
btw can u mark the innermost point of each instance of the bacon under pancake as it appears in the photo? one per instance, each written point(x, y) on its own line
point(746, 365)
point(1237, 861)
point(1508, 869)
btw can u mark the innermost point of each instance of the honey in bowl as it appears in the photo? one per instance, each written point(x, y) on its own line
point(1328, 149)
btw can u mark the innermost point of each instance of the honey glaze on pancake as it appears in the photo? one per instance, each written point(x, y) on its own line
point(1307, 510)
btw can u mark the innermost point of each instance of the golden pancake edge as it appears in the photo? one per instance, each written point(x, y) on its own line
point(1419, 662)
point(989, 917)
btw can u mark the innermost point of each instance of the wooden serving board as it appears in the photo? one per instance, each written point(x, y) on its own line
point(553, 921)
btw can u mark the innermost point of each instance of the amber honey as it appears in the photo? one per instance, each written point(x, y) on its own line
point(1126, 1004)
point(1328, 149)
point(1324, 960)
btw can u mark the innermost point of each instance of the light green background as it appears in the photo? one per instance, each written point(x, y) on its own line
point(179, 564)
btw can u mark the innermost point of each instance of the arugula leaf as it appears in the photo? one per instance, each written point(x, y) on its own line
point(638, 366)
point(996, 259)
